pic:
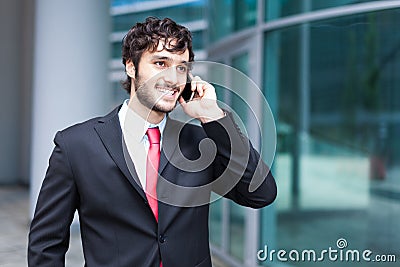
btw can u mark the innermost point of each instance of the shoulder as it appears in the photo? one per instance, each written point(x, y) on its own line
point(87, 128)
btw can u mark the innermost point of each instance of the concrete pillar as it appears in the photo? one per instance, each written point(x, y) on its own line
point(10, 77)
point(70, 73)
point(25, 100)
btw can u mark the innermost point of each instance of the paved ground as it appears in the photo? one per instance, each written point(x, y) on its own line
point(14, 224)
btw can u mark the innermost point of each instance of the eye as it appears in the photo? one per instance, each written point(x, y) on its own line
point(160, 63)
point(181, 68)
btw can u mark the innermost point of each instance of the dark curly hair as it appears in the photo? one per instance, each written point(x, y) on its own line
point(146, 36)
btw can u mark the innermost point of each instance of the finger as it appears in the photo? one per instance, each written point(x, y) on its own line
point(193, 86)
point(191, 76)
point(191, 96)
point(194, 82)
point(190, 80)
point(182, 101)
point(199, 86)
point(209, 91)
point(200, 89)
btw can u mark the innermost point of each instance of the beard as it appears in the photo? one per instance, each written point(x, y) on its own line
point(147, 97)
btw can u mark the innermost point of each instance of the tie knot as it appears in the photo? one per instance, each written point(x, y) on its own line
point(154, 135)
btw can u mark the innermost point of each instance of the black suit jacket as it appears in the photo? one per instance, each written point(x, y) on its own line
point(88, 172)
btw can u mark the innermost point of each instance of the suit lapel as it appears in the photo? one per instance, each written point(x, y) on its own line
point(109, 131)
point(170, 142)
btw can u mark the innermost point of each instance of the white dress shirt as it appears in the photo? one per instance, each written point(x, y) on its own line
point(134, 130)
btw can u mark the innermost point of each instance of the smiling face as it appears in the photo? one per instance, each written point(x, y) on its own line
point(160, 80)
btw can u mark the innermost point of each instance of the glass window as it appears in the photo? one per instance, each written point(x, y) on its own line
point(275, 9)
point(236, 230)
point(216, 222)
point(320, 4)
point(228, 16)
point(181, 14)
point(338, 153)
point(127, 2)
point(118, 92)
point(198, 40)
point(241, 63)
point(116, 50)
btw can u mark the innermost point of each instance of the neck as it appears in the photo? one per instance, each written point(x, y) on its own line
point(144, 112)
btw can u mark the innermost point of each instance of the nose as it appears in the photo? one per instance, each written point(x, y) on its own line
point(171, 75)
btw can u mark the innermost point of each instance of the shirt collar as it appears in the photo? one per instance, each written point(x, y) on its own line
point(134, 125)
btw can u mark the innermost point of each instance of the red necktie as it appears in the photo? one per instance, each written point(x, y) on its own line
point(152, 163)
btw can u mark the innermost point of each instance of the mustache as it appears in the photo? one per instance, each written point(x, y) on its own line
point(167, 86)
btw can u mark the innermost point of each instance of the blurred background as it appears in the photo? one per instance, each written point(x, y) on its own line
point(328, 68)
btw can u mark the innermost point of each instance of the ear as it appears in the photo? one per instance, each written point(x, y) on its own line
point(130, 69)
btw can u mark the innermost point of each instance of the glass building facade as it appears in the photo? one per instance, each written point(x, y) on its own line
point(329, 70)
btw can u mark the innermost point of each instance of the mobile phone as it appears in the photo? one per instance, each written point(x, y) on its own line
point(187, 91)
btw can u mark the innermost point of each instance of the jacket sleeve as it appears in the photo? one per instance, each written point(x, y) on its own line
point(50, 228)
point(237, 163)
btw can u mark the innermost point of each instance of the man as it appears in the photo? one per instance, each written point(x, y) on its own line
point(136, 206)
